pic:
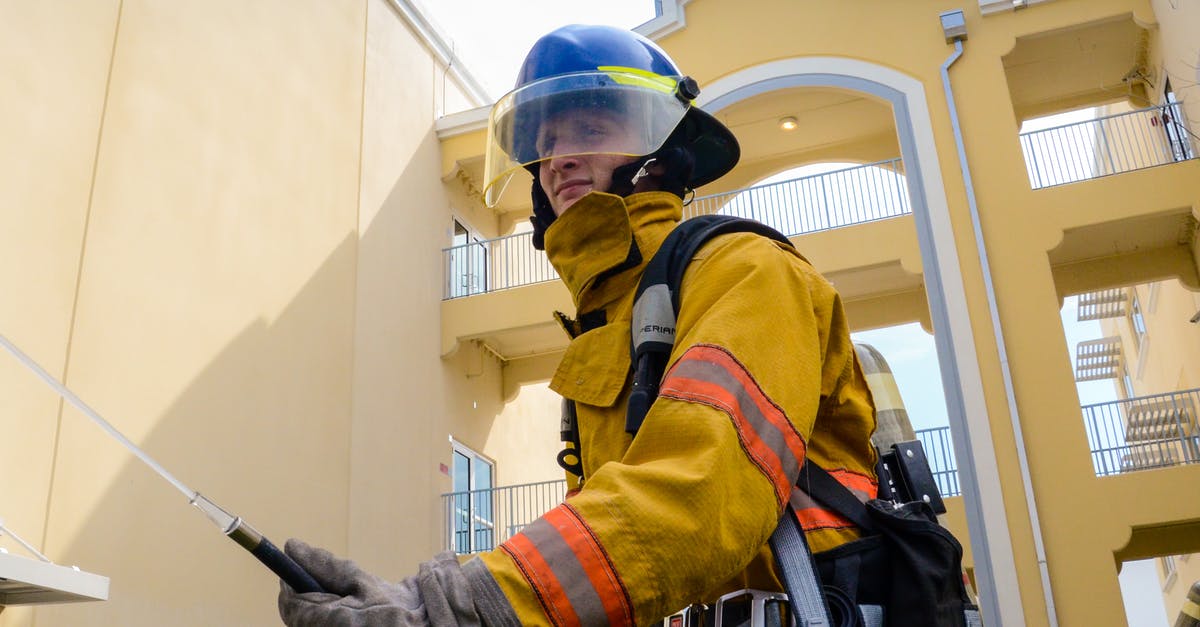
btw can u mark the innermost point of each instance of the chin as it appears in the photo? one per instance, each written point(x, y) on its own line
point(568, 202)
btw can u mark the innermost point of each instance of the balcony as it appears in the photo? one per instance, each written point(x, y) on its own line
point(1143, 433)
point(1108, 145)
point(1096, 360)
point(480, 520)
point(1102, 304)
point(820, 202)
point(939, 450)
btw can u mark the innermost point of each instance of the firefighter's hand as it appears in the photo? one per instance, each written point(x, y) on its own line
point(438, 595)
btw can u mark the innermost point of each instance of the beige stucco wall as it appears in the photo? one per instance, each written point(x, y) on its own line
point(60, 68)
point(226, 222)
point(222, 229)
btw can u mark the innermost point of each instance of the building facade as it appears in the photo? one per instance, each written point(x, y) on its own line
point(251, 235)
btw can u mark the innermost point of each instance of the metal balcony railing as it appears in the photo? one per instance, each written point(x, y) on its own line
point(1096, 360)
point(494, 264)
point(1102, 304)
point(1143, 432)
point(1108, 145)
point(939, 450)
point(815, 203)
point(1139, 433)
point(480, 520)
point(804, 205)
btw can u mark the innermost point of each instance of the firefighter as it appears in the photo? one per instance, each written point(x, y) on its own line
point(762, 376)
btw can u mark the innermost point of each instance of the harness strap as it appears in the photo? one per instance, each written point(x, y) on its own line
point(800, 578)
point(656, 304)
point(819, 484)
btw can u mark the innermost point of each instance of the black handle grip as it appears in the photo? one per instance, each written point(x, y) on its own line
point(284, 566)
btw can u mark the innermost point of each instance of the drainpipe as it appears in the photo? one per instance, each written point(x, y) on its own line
point(954, 27)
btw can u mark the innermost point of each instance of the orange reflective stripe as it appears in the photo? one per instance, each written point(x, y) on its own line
point(569, 570)
point(541, 578)
point(856, 482)
point(812, 516)
point(815, 518)
point(711, 375)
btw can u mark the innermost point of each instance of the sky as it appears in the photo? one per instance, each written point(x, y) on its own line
point(493, 36)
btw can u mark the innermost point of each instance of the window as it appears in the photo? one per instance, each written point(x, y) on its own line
point(1136, 320)
point(1173, 124)
point(1168, 570)
point(1127, 382)
point(472, 518)
point(468, 260)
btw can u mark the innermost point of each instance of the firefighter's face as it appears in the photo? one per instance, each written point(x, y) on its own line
point(584, 144)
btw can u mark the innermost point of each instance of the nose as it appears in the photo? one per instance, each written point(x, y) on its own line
point(564, 163)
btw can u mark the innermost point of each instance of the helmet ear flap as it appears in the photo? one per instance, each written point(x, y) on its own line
point(543, 214)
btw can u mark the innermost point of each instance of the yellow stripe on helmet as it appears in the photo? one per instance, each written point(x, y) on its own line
point(638, 77)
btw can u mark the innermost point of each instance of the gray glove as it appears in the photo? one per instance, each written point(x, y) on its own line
point(438, 595)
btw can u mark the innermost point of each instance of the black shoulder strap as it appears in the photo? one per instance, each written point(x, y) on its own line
point(820, 485)
point(656, 303)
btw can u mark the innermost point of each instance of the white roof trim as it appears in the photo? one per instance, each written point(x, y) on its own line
point(670, 19)
point(462, 122)
point(437, 42)
point(988, 7)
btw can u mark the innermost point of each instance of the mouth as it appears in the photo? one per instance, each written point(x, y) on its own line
point(570, 185)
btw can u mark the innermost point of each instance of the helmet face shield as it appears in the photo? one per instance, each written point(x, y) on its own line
point(615, 111)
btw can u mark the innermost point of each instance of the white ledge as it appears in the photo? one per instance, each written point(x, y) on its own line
point(25, 581)
point(670, 19)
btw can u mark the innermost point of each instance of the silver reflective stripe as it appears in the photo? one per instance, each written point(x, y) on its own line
point(872, 615)
point(750, 408)
point(571, 575)
point(973, 619)
point(654, 317)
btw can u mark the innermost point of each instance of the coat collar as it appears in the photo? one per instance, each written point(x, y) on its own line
point(602, 242)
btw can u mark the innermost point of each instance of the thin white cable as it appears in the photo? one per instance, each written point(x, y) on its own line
point(28, 546)
point(70, 397)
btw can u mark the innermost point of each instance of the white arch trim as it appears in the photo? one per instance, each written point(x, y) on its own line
point(974, 449)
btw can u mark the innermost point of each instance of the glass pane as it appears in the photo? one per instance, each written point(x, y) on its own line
point(484, 521)
point(462, 523)
point(461, 516)
point(462, 472)
point(483, 475)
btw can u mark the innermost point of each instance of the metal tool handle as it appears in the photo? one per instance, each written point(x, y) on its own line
point(270, 555)
point(284, 566)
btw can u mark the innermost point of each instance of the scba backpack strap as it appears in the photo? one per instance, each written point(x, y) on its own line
point(905, 571)
point(657, 302)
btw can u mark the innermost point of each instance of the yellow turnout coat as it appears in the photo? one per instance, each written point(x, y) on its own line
point(762, 377)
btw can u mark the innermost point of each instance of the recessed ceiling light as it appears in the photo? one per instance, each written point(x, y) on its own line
point(788, 124)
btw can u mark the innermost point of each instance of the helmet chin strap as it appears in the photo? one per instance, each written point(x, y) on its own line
point(626, 177)
point(642, 171)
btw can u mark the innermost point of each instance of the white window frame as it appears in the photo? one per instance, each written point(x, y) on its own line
point(987, 7)
point(1169, 569)
point(484, 522)
point(1127, 383)
point(471, 278)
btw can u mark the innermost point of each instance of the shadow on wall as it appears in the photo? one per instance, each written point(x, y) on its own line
point(263, 431)
point(284, 426)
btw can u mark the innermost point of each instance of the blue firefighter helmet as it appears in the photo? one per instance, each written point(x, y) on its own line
point(611, 69)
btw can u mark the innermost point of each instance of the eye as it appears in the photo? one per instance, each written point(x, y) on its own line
point(545, 145)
